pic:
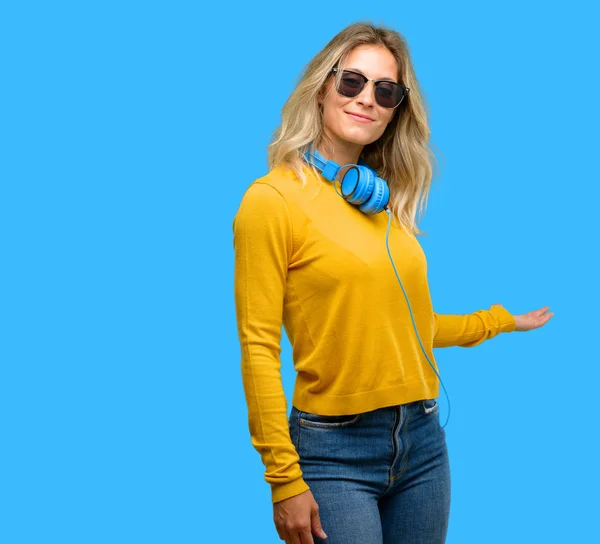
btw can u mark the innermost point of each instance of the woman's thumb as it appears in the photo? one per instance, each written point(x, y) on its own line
point(315, 522)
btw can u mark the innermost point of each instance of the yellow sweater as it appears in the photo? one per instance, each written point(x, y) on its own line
point(307, 259)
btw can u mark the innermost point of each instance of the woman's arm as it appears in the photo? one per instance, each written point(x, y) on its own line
point(263, 243)
point(472, 329)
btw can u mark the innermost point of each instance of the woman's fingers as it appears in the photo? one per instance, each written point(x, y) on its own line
point(301, 538)
point(544, 315)
point(293, 537)
point(306, 538)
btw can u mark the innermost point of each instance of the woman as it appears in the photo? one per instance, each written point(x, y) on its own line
point(362, 457)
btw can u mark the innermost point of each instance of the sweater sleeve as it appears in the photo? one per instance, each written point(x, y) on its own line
point(471, 329)
point(263, 244)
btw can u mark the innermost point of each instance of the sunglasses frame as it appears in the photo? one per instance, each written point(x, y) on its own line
point(375, 82)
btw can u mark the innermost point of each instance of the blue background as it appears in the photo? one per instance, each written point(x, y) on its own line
point(129, 133)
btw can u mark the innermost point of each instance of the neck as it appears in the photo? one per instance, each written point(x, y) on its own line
point(341, 153)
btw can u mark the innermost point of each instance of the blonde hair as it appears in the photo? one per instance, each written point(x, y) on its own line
point(401, 156)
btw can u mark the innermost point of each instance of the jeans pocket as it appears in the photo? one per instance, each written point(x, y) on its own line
point(307, 419)
point(430, 406)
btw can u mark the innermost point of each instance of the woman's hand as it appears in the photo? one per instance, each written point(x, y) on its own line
point(296, 517)
point(532, 320)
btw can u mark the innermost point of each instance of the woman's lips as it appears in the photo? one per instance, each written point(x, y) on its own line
point(359, 119)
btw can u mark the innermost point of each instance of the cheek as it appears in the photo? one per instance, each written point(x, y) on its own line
point(386, 121)
point(333, 114)
point(387, 116)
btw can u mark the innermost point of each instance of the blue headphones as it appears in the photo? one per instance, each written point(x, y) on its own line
point(361, 185)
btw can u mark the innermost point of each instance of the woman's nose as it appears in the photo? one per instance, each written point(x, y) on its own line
point(367, 95)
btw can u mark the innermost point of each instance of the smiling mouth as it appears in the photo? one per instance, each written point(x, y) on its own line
point(359, 118)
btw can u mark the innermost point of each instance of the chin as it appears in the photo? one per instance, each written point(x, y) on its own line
point(361, 139)
point(361, 135)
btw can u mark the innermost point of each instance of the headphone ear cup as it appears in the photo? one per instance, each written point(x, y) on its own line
point(359, 185)
point(379, 198)
point(350, 182)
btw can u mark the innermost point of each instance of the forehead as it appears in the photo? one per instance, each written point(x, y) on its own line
point(375, 62)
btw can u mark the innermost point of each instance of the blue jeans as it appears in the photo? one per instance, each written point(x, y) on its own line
point(379, 477)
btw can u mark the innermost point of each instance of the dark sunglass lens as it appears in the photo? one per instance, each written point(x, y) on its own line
point(350, 84)
point(388, 95)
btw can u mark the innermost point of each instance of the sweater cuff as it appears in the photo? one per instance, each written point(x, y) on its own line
point(505, 318)
point(280, 492)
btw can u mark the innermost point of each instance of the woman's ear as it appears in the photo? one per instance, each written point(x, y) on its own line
point(323, 93)
point(320, 96)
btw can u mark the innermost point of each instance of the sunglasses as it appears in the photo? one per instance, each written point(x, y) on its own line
point(387, 93)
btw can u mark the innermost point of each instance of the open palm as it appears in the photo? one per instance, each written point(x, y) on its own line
point(532, 320)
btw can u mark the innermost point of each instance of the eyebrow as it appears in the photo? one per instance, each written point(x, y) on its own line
point(377, 79)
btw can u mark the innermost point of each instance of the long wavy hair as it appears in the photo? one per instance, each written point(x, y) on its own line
point(401, 155)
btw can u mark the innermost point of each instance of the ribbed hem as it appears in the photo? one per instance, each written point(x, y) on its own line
point(507, 320)
point(335, 405)
point(280, 492)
